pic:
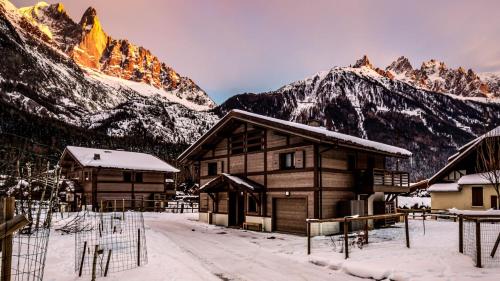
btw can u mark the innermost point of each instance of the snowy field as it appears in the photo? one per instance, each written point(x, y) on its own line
point(180, 248)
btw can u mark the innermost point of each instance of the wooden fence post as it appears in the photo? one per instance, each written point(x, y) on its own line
point(308, 238)
point(94, 262)
point(478, 243)
point(461, 234)
point(407, 231)
point(346, 238)
point(9, 204)
point(366, 231)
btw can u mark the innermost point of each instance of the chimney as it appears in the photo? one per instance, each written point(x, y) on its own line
point(97, 156)
point(313, 122)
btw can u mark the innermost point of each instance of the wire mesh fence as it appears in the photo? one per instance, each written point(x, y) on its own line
point(109, 242)
point(29, 244)
point(354, 232)
point(480, 239)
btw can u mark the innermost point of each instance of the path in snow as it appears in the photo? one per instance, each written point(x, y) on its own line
point(236, 255)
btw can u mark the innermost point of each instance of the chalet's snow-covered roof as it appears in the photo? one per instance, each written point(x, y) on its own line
point(335, 135)
point(119, 159)
point(480, 178)
point(318, 132)
point(444, 187)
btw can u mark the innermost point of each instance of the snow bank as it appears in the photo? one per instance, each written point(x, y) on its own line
point(410, 202)
point(475, 212)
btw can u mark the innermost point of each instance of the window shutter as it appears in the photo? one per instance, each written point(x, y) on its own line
point(276, 161)
point(299, 159)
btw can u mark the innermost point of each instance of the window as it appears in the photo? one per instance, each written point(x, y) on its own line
point(212, 169)
point(477, 196)
point(286, 161)
point(351, 162)
point(252, 204)
point(127, 176)
point(370, 162)
point(138, 177)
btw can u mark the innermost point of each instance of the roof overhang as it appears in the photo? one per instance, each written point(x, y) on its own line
point(220, 183)
point(263, 121)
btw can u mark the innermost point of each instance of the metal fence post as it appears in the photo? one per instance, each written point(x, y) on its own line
point(461, 234)
point(346, 238)
point(308, 238)
point(407, 231)
point(478, 243)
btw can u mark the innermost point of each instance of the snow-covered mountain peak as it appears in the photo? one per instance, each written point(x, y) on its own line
point(400, 66)
point(89, 17)
point(89, 46)
point(363, 62)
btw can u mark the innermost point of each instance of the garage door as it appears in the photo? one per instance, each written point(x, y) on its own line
point(290, 215)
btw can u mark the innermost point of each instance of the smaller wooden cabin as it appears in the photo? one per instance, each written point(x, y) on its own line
point(113, 175)
point(461, 184)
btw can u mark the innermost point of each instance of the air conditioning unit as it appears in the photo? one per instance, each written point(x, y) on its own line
point(352, 208)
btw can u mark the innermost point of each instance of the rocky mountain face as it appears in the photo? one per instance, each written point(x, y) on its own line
point(89, 46)
point(59, 70)
point(430, 111)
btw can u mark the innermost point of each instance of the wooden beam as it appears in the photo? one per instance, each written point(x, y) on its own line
point(11, 226)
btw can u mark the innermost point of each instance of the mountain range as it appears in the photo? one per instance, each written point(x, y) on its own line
point(66, 82)
point(431, 111)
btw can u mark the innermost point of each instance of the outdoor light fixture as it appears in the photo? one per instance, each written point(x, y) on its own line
point(287, 193)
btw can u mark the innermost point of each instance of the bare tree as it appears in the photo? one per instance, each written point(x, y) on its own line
point(488, 160)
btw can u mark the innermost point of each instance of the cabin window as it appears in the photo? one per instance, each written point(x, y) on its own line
point(370, 162)
point(252, 205)
point(127, 176)
point(212, 169)
point(286, 161)
point(477, 196)
point(138, 177)
point(351, 162)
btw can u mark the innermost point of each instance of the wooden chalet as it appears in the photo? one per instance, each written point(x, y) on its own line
point(461, 184)
point(109, 175)
point(272, 174)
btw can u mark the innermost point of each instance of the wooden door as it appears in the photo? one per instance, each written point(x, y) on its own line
point(290, 215)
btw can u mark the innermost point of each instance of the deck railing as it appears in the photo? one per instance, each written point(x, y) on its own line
point(391, 178)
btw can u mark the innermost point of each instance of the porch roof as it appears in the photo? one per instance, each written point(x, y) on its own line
point(234, 180)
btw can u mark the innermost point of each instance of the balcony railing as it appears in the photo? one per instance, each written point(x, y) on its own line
point(379, 180)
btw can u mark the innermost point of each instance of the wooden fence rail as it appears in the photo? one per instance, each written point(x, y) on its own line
point(169, 206)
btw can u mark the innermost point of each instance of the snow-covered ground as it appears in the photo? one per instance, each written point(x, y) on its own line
point(180, 248)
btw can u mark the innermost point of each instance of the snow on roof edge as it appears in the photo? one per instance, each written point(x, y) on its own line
point(444, 187)
point(343, 137)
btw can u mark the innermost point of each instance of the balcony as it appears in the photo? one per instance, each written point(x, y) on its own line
point(379, 180)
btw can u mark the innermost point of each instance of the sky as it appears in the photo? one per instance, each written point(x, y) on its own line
point(230, 47)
